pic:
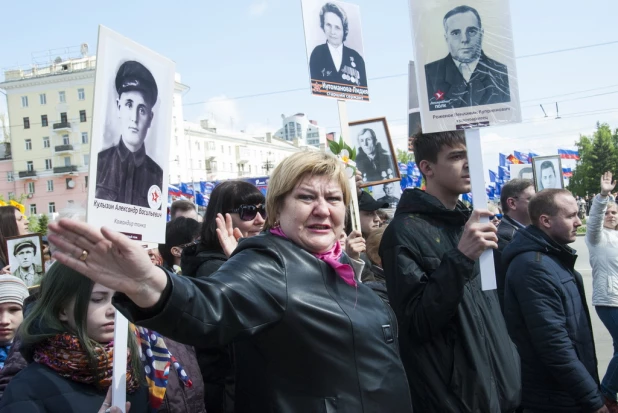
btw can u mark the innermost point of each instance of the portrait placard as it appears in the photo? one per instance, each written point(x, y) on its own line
point(26, 258)
point(547, 172)
point(465, 64)
point(521, 171)
point(375, 155)
point(131, 129)
point(335, 52)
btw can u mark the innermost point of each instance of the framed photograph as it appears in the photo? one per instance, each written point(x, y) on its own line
point(131, 129)
point(465, 64)
point(375, 155)
point(387, 192)
point(547, 172)
point(334, 42)
point(26, 258)
point(522, 171)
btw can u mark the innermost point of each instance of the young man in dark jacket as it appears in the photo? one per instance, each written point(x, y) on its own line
point(453, 340)
point(514, 199)
point(546, 312)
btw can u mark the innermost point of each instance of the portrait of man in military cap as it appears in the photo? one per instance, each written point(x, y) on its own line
point(125, 173)
point(25, 259)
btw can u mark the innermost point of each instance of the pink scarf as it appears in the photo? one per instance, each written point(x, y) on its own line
point(331, 257)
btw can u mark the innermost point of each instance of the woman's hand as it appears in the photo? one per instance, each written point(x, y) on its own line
point(228, 236)
point(355, 245)
point(359, 181)
point(106, 406)
point(607, 186)
point(108, 258)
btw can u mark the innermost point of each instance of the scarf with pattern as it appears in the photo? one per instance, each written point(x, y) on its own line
point(64, 354)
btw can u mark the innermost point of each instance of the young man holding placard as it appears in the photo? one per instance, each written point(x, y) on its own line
point(453, 339)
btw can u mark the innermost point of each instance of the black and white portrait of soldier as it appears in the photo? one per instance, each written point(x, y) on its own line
point(466, 76)
point(125, 173)
point(389, 194)
point(374, 162)
point(26, 261)
point(333, 61)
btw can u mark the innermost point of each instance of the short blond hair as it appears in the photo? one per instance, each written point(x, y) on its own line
point(292, 170)
point(373, 245)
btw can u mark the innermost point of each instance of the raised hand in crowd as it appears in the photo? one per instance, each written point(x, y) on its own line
point(355, 245)
point(478, 236)
point(607, 185)
point(228, 235)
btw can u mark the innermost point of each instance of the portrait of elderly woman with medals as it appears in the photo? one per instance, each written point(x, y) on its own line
point(333, 61)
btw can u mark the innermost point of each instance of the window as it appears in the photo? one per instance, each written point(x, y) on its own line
point(198, 145)
point(70, 184)
point(44, 122)
point(200, 164)
point(211, 146)
point(32, 209)
point(222, 149)
point(82, 116)
point(28, 144)
point(86, 160)
point(43, 99)
point(50, 186)
point(67, 161)
point(62, 98)
point(66, 140)
point(26, 123)
point(63, 117)
point(24, 101)
point(48, 164)
point(51, 208)
point(81, 95)
point(84, 137)
point(86, 179)
point(213, 165)
point(229, 152)
point(11, 195)
point(31, 187)
point(9, 176)
point(231, 167)
point(30, 166)
point(46, 142)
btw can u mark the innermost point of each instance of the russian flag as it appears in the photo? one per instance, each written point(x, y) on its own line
point(504, 160)
point(567, 172)
point(503, 173)
point(568, 154)
point(532, 155)
point(172, 190)
point(523, 157)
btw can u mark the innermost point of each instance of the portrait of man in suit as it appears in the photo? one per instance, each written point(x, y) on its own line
point(466, 76)
point(332, 61)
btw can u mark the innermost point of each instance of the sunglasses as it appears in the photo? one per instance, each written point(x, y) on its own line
point(188, 244)
point(249, 212)
point(499, 216)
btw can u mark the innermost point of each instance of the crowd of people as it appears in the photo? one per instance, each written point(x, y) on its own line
point(276, 304)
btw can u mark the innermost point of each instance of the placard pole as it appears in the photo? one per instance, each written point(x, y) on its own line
point(119, 380)
point(479, 200)
point(345, 133)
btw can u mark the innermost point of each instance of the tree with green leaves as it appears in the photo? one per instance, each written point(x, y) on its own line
point(33, 224)
point(404, 156)
point(43, 221)
point(597, 153)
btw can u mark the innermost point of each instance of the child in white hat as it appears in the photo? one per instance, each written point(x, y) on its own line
point(13, 292)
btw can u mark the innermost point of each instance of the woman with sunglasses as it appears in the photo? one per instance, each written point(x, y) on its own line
point(12, 224)
point(245, 203)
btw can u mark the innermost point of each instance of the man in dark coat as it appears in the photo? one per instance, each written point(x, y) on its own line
point(514, 199)
point(546, 311)
point(125, 173)
point(453, 340)
point(466, 77)
point(373, 161)
point(332, 61)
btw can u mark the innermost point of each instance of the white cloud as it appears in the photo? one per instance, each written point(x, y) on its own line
point(257, 8)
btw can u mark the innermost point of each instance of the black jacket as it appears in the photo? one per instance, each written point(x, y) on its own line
point(454, 343)
point(126, 177)
point(322, 67)
point(216, 363)
point(305, 341)
point(372, 169)
point(506, 231)
point(447, 88)
point(547, 316)
point(38, 389)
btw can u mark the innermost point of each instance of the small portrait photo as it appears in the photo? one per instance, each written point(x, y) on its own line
point(521, 171)
point(334, 44)
point(26, 258)
point(389, 192)
point(375, 156)
point(547, 172)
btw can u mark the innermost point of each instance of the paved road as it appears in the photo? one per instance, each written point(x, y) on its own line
point(603, 340)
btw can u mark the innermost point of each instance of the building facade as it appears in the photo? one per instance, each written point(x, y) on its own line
point(300, 127)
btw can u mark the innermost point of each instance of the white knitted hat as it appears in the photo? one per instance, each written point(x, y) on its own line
point(12, 290)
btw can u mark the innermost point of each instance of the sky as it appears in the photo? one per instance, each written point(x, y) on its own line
point(245, 61)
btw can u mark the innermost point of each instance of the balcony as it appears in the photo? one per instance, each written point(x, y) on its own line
point(63, 148)
point(62, 126)
point(64, 169)
point(243, 155)
point(27, 174)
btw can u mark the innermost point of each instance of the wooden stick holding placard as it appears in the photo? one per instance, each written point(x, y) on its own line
point(345, 133)
point(119, 379)
point(479, 200)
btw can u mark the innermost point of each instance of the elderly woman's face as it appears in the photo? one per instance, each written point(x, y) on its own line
point(313, 214)
point(333, 28)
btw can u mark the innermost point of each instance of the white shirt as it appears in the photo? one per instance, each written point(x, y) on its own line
point(337, 54)
point(472, 66)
